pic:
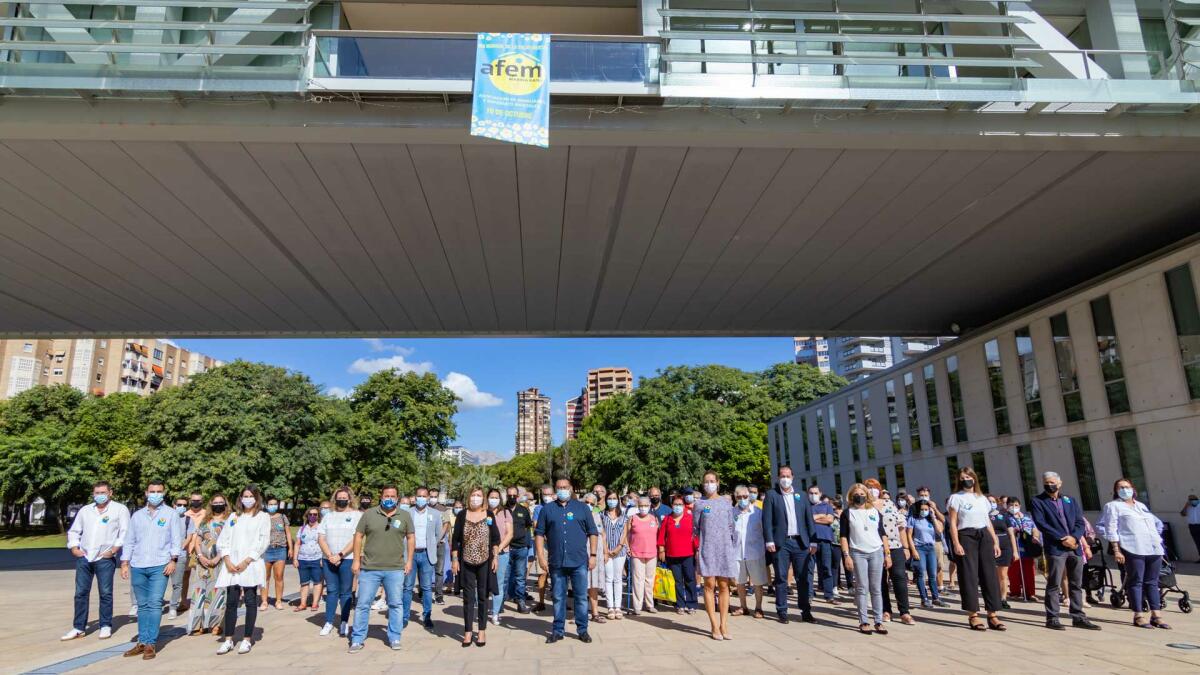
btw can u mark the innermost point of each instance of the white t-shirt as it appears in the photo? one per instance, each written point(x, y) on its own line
point(972, 509)
point(338, 529)
point(865, 528)
point(1193, 514)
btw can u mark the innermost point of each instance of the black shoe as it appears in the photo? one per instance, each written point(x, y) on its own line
point(441, 600)
point(1004, 605)
point(584, 637)
point(554, 637)
point(1084, 624)
point(1055, 624)
point(428, 622)
point(521, 608)
point(540, 607)
point(807, 617)
point(783, 618)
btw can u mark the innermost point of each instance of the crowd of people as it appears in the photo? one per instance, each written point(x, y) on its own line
point(360, 556)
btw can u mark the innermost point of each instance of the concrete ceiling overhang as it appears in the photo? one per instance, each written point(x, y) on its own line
point(305, 219)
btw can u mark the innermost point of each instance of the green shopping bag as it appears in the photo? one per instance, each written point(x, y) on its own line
point(664, 585)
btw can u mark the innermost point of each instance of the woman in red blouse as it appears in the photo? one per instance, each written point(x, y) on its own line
point(677, 544)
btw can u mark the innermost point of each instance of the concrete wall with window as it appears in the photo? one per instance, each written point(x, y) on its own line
point(1110, 405)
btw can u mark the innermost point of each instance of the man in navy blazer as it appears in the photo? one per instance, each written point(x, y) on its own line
point(1060, 520)
point(791, 538)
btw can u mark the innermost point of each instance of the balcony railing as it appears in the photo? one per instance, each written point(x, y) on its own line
point(444, 63)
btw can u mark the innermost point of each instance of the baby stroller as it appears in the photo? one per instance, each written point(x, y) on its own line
point(1166, 584)
point(1097, 575)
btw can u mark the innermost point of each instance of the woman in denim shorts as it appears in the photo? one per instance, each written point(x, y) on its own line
point(309, 560)
point(279, 549)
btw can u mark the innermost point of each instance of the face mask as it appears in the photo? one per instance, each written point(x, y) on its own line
point(493, 502)
point(1125, 493)
point(1014, 510)
point(180, 509)
point(422, 502)
point(364, 504)
point(1051, 488)
point(1194, 502)
point(271, 508)
point(546, 499)
point(218, 508)
point(744, 502)
point(993, 505)
point(563, 494)
point(341, 503)
point(785, 483)
point(476, 502)
point(754, 496)
point(512, 501)
point(457, 510)
point(814, 499)
point(433, 501)
point(312, 518)
point(677, 509)
point(873, 492)
point(968, 483)
point(325, 512)
point(154, 498)
point(710, 488)
point(388, 504)
point(655, 501)
point(195, 503)
point(100, 499)
point(924, 513)
point(612, 503)
point(644, 510)
point(858, 499)
point(406, 507)
point(249, 502)
point(689, 498)
point(925, 497)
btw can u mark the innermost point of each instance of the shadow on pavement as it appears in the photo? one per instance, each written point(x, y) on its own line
point(36, 559)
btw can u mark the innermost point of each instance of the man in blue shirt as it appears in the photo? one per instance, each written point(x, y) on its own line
point(658, 508)
point(152, 548)
point(823, 516)
point(1060, 520)
point(566, 538)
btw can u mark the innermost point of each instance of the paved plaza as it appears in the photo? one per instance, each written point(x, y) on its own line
point(36, 602)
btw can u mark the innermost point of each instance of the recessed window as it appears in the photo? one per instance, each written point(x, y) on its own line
point(1029, 486)
point(868, 429)
point(1129, 452)
point(1085, 470)
point(1110, 356)
point(991, 355)
point(935, 419)
point(1030, 388)
point(851, 413)
point(979, 464)
point(833, 438)
point(910, 402)
point(893, 417)
point(27, 347)
point(804, 442)
point(821, 439)
point(1182, 292)
point(956, 400)
point(1064, 358)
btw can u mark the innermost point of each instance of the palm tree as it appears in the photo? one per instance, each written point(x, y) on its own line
point(471, 477)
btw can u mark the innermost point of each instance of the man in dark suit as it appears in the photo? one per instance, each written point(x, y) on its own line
point(1060, 520)
point(791, 538)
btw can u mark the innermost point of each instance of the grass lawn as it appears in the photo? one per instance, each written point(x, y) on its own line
point(13, 541)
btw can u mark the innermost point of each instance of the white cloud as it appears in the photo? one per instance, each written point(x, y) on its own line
point(378, 345)
point(368, 366)
point(337, 392)
point(464, 387)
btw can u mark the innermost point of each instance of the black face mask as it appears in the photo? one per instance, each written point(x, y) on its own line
point(196, 503)
point(1051, 488)
point(341, 503)
point(858, 499)
point(218, 508)
point(512, 501)
point(656, 500)
point(365, 504)
point(968, 483)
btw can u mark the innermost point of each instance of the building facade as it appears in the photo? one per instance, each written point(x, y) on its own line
point(602, 383)
point(860, 356)
point(461, 456)
point(1098, 384)
point(98, 366)
point(533, 421)
point(576, 410)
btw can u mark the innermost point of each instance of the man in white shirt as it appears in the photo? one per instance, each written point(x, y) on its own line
point(1191, 510)
point(427, 523)
point(95, 538)
point(751, 551)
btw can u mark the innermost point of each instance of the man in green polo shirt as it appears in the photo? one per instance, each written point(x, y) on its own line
point(383, 553)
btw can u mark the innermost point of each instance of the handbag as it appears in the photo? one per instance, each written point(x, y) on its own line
point(664, 585)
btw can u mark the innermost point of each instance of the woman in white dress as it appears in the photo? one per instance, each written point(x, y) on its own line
point(241, 546)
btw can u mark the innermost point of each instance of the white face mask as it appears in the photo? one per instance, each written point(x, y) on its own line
point(785, 483)
point(493, 502)
point(644, 510)
point(814, 499)
point(710, 488)
point(476, 501)
point(874, 493)
point(248, 502)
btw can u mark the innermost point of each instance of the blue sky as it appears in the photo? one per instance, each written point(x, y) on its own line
point(487, 372)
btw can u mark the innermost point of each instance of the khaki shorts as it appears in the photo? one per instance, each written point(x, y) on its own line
point(942, 558)
point(754, 571)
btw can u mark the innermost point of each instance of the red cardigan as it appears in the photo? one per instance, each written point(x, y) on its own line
point(679, 539)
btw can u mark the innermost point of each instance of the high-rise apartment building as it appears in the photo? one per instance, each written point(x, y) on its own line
point(97, 366)
point(576, 410)
point(856, 357)
point(533, 421)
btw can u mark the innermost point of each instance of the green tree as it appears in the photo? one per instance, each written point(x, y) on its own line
point(527, 471)
point(114, 428)
point(472, 476)
point(791, 385)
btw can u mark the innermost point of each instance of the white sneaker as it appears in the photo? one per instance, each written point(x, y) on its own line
point(326, 629)
point(244, 647)
point(345, 632)
point(172, 615)
point(105, 632)
point(495, 620)
point(133, 611)
point(379, 605)
point(72, 634)
point(226, 647)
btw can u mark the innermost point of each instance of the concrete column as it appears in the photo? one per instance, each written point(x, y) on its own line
point(1148, 345)
point(977, 394)
point(1114, 24)
point(1004, 473)
point(1087, 361)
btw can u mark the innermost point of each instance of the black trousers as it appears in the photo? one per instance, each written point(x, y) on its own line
point(474, 580)
point(899, 585)
point(233, 596)
point(977, 570)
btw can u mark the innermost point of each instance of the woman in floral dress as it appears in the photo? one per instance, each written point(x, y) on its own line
point(715, 527)
point(207, 601)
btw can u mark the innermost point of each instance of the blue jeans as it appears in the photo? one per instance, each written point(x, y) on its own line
point(502, 563)
point(1141, 578)
point(148, 583)
point(578, 578)
point(339, 585)
point(518, 562)
point(826, 576)
point(102, 570)
point(684, 571)
point(393, 589)
point(424, 569)
point(789, 554)
point(926, 571)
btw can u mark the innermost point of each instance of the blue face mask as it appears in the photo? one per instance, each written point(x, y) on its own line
point(100, 499)
point(388, 504)
point(563, 495)
point(689, 498)
point(422, 502)
point(405, 507)
point(612, 503)
point(180, 509)
point(1195, 502)
point(677, 509)
point(323, 512)
point(744, 503)
point(154, 498)
point(272, 508)
point(1125, 493)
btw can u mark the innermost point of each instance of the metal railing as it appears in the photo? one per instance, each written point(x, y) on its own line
point(1155, 61)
